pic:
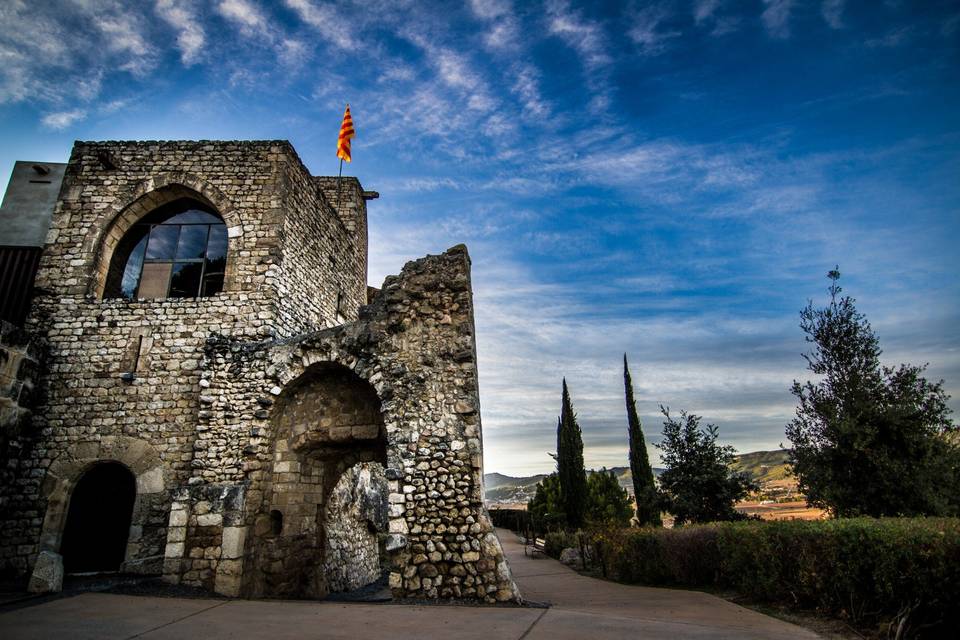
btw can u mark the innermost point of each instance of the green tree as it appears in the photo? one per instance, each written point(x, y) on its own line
point(869, 439)
point(644, 488)
point(698, 484)
point(573, 477)
point(607, 501)
point(546, 507)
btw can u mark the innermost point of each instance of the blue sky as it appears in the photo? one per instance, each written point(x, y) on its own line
point(669, 179)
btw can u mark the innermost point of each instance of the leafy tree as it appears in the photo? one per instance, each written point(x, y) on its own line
point(607, 501)
point(698, 484)
point(644, 488)
point(573, 478)
point(546, 507)
point(868, 439)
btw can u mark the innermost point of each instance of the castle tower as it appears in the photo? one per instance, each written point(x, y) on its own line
point(222, 404)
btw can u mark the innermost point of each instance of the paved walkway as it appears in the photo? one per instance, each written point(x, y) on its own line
point(583, 608)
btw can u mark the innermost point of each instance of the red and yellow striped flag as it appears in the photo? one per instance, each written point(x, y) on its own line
point(346, 132)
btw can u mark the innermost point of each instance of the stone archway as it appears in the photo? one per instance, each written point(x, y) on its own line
point(147, 529)
point(325, 497)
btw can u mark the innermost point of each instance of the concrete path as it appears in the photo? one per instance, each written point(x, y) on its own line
point(589, 608)
point(583, 608)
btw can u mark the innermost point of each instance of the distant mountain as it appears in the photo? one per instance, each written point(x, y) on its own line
point(502, 489)
point(768, 468)
point(497, 480)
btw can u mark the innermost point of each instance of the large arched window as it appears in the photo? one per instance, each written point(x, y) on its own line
point(177, 251)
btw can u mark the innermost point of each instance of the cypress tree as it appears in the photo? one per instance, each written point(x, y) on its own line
point(573, 477)
point(644, 489)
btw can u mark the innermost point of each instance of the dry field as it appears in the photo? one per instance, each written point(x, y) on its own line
point(797, 510)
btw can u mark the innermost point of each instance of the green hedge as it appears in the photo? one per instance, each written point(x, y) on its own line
point(865, 570)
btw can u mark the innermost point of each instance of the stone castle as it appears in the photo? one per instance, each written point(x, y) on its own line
point(203, 386)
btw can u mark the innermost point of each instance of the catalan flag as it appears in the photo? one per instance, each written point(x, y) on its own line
point(346, 132)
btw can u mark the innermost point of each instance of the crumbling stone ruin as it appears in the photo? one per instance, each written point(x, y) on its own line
point(215, 395)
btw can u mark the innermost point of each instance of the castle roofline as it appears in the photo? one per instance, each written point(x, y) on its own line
point(285, 144)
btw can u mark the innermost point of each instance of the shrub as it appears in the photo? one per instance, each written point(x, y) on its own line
point(868, 571)
point(557, 541)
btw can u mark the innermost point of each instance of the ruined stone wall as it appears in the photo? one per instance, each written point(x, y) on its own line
point(415, 346)
point(321, 265)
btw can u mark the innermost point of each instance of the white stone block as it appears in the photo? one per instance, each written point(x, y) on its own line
point(47, 576)
point(150, 481)
point(233, 539)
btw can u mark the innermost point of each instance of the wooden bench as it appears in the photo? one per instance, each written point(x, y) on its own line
point(537, 546)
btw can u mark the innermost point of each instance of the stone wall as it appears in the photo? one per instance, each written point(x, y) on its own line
point(348, 199)
point(20, 360)
point(21, 356)
point(356, 510)
point(322, 276)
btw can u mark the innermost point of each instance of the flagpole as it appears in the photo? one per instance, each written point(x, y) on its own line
point(339, 175)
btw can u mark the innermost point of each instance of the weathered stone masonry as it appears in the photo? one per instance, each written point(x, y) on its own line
point(277, 428)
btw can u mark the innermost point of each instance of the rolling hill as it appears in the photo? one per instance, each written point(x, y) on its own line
point(768, 468)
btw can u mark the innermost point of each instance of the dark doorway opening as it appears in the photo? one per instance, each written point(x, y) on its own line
point(98, 522)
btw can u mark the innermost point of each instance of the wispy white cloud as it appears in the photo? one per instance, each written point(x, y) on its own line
point(504, 33)
point(582, 35)
point(703, 10)
point(647, 30)
point(526, 87)
point(457, 72)
point(832, 11)
point(63, 119)
point(325, 19)
point(489, 9)
point(246, 16)
point(183, 17)
point(893, 38)
point(45, 57)
point(776, 17)
point(114, 106)
point(706, 14)
point(256, 26)
point(124, 33)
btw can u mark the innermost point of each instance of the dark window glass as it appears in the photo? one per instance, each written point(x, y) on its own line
point(185, 282)
point(163, 242)
point(193, 242)
point(178, 251)
point(131, 273)
point(217, 245)
point(213, 277)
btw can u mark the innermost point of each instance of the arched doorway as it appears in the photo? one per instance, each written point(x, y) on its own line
point(98, 520)
point(325, 501)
